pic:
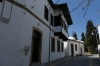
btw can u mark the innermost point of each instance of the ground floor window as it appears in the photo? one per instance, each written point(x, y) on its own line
point(52, 44)
point(58, 46)
point(62, 47)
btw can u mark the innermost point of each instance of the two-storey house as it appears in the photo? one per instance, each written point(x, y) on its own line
point(32, 31)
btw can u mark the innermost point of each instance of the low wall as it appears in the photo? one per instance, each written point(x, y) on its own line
point(87, 53)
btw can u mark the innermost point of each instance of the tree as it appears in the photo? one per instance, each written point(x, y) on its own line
point(90, 40)
point(83, 37)
point(75, 35)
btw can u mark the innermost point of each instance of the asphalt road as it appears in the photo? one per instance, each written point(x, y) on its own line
point(87, 60)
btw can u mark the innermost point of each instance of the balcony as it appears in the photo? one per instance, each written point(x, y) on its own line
point(60, 28)
point(61, 32)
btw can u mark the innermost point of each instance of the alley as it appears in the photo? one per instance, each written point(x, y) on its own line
point(87, 60)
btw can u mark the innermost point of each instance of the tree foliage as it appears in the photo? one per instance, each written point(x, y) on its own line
point(90, 40)
point(83, 37)
point(75, 35)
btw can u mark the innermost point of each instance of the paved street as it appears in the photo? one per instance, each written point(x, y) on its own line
point(87, 60)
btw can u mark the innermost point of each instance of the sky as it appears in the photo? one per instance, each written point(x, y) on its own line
point(79, 22)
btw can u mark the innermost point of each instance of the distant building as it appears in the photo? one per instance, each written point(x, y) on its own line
point(74, 47)
point(32, 31)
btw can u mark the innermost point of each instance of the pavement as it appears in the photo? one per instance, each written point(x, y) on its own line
point(86, 60)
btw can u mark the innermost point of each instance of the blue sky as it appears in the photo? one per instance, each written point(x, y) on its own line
point(79, 23)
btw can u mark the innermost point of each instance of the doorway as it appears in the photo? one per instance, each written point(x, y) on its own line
point(36, 47)
point(72, 50)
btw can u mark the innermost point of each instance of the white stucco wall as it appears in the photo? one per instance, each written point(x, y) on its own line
point(56, 55)
point(9, 38)
point(74, 42)
point(98, 29)
point(99, 50)
point(17, 34)
point(99, 39)
point(82, 46)
point(66, 47)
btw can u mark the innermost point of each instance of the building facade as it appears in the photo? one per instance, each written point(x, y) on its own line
point(74, 47)
point(32, 31)
point(98, 27)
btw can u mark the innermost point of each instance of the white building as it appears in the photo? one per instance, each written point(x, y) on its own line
point(99, 40)
point(74, 47)
point(32, 31)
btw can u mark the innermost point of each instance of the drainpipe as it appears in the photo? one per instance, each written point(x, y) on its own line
point(49, 32)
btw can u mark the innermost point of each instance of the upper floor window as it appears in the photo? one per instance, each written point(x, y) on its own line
point(52, 19)
point(57, 20)
point(52, 44)
point(58, 46)
point(0, 0)
point(46, 13)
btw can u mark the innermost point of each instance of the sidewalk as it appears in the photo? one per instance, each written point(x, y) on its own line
point(52, 63)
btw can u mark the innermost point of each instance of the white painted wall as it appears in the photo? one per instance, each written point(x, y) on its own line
point(18, 33)
point(64, 32)
point(66, 47)
point(74, 42)
point(57, 28)
point(99, 39)
point(98, 29)
point(56, 54)
point(99, 50)
point(82, 46)
point(10, 50)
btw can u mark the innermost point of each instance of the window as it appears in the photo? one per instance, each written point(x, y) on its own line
point(52, 19)
point(57, 20)
point(0, 0)
point(62, 47)
point(52, 44)
point(76, 47)
point(58, 46)
point(46, 13)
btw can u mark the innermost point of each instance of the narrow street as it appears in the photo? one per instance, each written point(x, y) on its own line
point(87, 60)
